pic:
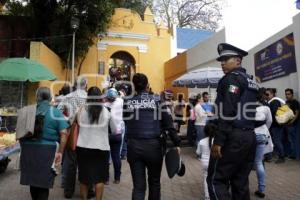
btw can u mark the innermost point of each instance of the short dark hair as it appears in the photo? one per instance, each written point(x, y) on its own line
point(199, 96)
point(66, 89)
point(204, 93)
point(260, 94)
point(140, 82)
point(43, 93)
point(272, 90)
point(180, 97)
point(210, 130)
point(289, 90)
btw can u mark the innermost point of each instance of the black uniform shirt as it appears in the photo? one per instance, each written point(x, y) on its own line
point(229, 91)
point(295, 106)
point(274, 105)
point(168, 126)
point(163, 116)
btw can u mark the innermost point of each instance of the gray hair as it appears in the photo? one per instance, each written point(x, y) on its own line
point(81, 83)
point(43, 93)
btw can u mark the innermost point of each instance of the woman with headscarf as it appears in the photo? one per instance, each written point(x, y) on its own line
point(40, 154)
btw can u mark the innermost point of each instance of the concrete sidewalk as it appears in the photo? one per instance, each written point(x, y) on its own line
point(283, 183)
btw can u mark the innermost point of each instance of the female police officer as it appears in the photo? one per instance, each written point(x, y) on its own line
point(145, 119)
point(233, 151)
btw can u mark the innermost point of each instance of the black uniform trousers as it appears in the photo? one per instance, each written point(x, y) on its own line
point(145, 155)
point(38, 193)
point(69, 171)
point(232, 170)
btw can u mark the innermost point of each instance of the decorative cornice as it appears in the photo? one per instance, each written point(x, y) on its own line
point(138, 36)
point(102, 45)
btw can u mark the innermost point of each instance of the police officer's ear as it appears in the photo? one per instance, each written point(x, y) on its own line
point(239, 60)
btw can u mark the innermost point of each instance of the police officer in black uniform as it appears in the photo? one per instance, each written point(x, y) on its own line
point(233, 150)
point(145, 119)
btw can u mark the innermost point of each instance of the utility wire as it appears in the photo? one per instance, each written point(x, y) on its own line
point(37, 38)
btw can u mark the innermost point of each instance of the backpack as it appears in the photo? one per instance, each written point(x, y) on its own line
point(283, 114)
point(113, 138)
point(29, 127)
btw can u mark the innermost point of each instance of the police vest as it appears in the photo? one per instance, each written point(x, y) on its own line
point(141, 117)
point(248, 104)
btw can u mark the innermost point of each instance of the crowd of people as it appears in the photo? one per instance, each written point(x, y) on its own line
point(87, 129)
point(99, 141)
point(274, 141)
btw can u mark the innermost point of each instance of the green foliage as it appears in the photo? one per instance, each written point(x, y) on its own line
point(137, 5)
point(51, 20)
point(16, 8)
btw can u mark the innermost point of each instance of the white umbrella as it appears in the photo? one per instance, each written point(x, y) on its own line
point(201, 78)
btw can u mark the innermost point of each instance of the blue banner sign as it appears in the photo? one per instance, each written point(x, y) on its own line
point(276, 60)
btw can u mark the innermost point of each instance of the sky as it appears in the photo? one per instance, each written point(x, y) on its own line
point(249, 22)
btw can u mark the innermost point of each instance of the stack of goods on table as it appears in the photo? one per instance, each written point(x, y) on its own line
point(8, 146)
point(7, 139)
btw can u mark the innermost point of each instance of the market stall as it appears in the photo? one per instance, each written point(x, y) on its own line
point(22, 70)
point(8, 146)
point(6, 114)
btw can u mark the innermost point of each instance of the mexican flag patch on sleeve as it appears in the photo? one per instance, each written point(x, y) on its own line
point(234, 89)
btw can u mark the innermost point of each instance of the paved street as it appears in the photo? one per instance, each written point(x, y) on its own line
point(282, 183)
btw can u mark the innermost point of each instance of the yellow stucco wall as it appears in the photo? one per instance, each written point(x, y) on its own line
point(42, 54)
point(174, 68)
point(89, 67)
point(150, 62)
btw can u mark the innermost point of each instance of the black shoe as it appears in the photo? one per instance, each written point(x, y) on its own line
point(269, 160)
point(91, 194)
point(123, 157)
point(280, 160)
point(259, 194)
point(292, 157)
point(68, 196)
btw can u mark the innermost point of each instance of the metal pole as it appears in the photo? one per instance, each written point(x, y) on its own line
point(73, 59)
point(209, 94)
point(22, 92)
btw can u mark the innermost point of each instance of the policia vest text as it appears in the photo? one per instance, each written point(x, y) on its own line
point(141, 116)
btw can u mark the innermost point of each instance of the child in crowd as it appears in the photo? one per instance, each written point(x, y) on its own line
point(203, 151)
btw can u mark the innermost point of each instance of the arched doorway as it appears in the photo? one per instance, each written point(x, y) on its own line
point(121, 66)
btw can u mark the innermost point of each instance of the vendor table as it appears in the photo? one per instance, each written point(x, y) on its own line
point(4, 117)
point(5, 152)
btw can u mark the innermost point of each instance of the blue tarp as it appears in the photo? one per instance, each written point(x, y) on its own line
point(7, 151)
point(188, 38)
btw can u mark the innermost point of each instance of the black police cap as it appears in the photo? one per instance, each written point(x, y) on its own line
point(228, 50)
point(174, 164)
